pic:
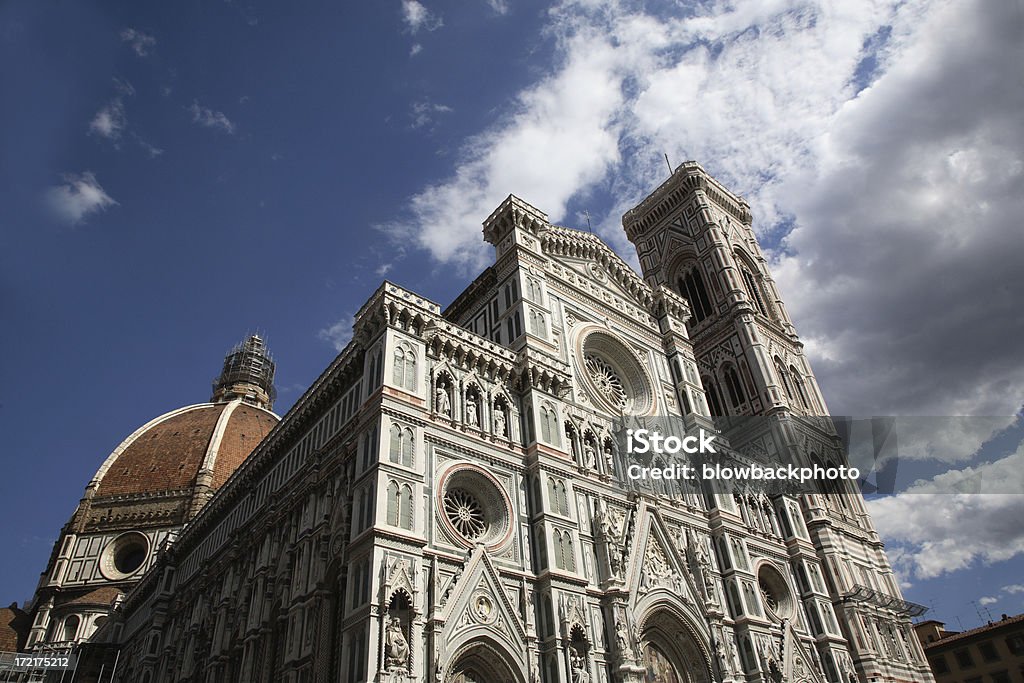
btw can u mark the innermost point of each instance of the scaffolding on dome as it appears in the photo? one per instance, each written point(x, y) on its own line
point(249, 362)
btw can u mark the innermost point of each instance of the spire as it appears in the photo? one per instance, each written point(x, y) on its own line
point(248, 374)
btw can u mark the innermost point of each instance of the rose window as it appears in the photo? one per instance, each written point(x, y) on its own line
point(473, 508)
point(606, 380)
point(613, 375)
point(770, 600)
point(465, 513)
point(775, 592)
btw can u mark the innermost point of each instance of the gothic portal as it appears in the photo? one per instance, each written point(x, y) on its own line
point(444, 505)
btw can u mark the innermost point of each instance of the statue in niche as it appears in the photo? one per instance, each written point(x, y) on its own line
point(622, 638)
point(441, 400)
point(396, 647)
point(704, 567)
point(471, 415)
point(609, 458)
point(578, 666)
point(589, 455)
point(499, 420)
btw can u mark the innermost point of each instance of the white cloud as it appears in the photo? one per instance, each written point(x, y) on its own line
point(384, 268)
point(417, 17)
point(944, 524)
point(499, 6)
point(1013, 589)
point(415, 49)
point(141, 42)
point(109, 121)
point(150, 149)
point(209, 118)
point(78, 197)
point(987, 600)
point(339, 334)
point(424, 112)
point(880, 134)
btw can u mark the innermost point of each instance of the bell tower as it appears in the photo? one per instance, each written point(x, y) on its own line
point(695, 237)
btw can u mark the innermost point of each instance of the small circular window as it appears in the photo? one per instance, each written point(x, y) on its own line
point(124, 556)
point(613, 375)
point(474, 507)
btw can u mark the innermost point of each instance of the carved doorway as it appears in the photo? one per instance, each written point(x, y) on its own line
point(670, 651)
point(481, 664)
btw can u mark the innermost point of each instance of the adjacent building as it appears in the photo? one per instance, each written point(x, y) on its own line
point(993, 653)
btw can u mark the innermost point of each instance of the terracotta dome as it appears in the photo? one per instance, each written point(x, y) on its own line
point(172, 451)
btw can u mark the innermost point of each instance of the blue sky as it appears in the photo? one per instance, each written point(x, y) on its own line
point(175, 176)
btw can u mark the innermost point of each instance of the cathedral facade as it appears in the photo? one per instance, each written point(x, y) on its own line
point(447, 503)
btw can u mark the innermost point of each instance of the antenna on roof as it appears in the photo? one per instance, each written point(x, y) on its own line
point(979, 609)
point(668, 164)
point(587, 214)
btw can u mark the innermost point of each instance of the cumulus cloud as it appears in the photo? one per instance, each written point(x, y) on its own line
point(141, 42)
point(339, 334)
point(417, 17)
point(78, 197)
point(209, 118)
point(1013, 589)
point(945, 524)
point(988, 600)
point(877, 142)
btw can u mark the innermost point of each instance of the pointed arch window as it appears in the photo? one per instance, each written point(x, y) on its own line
point(404, 371)
point(733, 386)
point(549, 424)
point(753, 290)
point(800, 389)
point(403, 442)
point(714, 403)
point(558, 496)
point(565, 556)
point(691, 286)
point(783, 377)
point(399, 505)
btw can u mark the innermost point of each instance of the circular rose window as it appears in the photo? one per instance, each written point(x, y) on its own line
point(775, 592)
point(473, 506)
point(614, 376)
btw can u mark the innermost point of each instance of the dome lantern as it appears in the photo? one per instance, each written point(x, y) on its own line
point(248, 374)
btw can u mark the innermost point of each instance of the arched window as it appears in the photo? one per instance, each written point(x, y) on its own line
point(565, 557)
point(394, 502)
point(691, 286)
point(558, 496)
point(71, 627)
point(533, 292)
point(712, 393)
point(404, 372)
point(783, 377)
point(732, 384)
point(402, 444)
point(754, 291)
point(800, 390)
point(549, 424)
point(405, 507)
